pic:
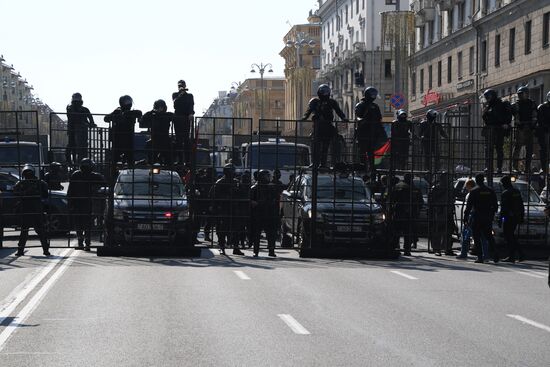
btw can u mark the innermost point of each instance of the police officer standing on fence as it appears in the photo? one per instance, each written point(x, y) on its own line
point(543, 132)
point(79, 120)
point(184, 111)
point(401, 130)
point(497, 116)
point(369, 132)
point(323, 108)
point(123, 120)
point(83, 190)
point(53, 177)
point(31, 192)
point(158, 122)
point(511, 215)
point(264, 212)
point(482, 204)
point(525, 114)
point(430, 132)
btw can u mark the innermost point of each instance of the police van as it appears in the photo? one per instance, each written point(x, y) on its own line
point(15, 154)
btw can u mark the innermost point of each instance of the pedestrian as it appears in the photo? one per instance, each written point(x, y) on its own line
point(481, 207)
point(224, 194)
point(430, 132)
point(466, 235)
point(497, 116)
point(369, 133)
point(524, 121)
point(543, 132)
point(79, 120)
point(322, 109)
point(158, 122)
point(123, 121)
point(512, 214)
point(441, 216)
point(83, 191)
point(401, 130)
point(264, 211)
point(53, 177)
point(184, 111)
point(31, 193)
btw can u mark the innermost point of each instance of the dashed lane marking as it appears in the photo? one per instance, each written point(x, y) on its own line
point(404, 275)
point(530, 274)
point(294, 325)
point(530, 322)
point(241, 275)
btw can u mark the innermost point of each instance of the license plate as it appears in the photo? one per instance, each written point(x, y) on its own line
point(349, 229)
point(149, 227)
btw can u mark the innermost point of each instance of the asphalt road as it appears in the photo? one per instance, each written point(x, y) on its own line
point(76, 309)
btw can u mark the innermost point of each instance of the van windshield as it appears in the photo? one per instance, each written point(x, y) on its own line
point(150, 185)
point(13, 154)
point(264, 156)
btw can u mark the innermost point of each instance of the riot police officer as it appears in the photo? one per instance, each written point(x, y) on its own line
point(158, 122)
point(440, 213)
point(481, 207)
point(369, 132)
point(430, 132)
point(524, 114)
point(264, 211)
point(79, 120)
point(543, 132)
point(122, 131)
point(31, 192)
point(53, 177)
point(223, 194)
point(83, 190)
point(323, 108)
point(401, 130)
point(184, 105)
point(497, 116)
point(511, 215)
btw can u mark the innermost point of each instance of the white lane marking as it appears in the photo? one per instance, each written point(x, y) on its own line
point(294, 325)
point(530, 322)
point(35, 300)
point(529, 274)
point(22, 291)
point(404, 275)
point(241, 275)
point(542, 274)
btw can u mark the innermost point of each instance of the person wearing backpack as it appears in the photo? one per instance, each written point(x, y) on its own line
point(524, 113)
point(511, 215)
point(497, 116)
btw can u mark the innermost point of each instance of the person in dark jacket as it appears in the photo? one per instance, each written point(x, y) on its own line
point(79, 120)
point(158, 122)
point(83, 189)
point(123, 121)
point(184, 111)
point(496, 116)
point(264, 212)
point(481, 207)
point(53, 177)
point(430, 132)
point(323, 108)
point(401, 130)
point(524, 122)
point(243, 211)
point(31, 192)
point(511, 215)
point(369, 133)
point(441, 215)
point(543, 132)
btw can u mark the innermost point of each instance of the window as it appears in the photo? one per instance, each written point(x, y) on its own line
point(421, 81)
point(461, 14)
point(430, 77)
point(316, 61)
point(413, 83)
point(497, 50)
point(528, 26)
point(459, 61)
point(512, 45)
point(439, 71)
point(430, 32)
point(363, 4)
point(449, 69)
point(387, 68)
point(483, 55)
point(546, 29)
point(391, 2)
point(471, 61)
point(422, 40)
point(356, 6)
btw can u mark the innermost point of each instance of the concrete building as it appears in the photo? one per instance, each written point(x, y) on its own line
point(218, 120)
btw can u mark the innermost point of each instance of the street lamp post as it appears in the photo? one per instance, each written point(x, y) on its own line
point(301, 40)
point(261, 68)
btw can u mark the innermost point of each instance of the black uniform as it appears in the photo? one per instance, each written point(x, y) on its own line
point(122, 134)
point(400, 141)
point(440, 214)
point(370, 133)
point(406, 202)
point(79, 120)
point(482, 204)
point(82, 192)
point(264, 215)
point(430, 133)
point(543, 132)
point(53, 179)
point(184, 106)
point(242, 216)
point(497, 116)
point(223, 194)
point(158, 124)
point(524, 112)
point(31, 194)
point(324, 131)
point(512, 213)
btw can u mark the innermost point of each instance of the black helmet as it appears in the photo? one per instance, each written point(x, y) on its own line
point(490, 94)
point(229, 169)
point(160, 105)
point(264, 176)
point(277, 174)
point(27, 168)
point(523, 89)
point(55, 166)
point(77, 97)
point(402, 113)
point(323, 91)
point(126, 101)
point(432, 114)
point(506, 181)
point(370, 92)
point(86, 164)
point(182, 84)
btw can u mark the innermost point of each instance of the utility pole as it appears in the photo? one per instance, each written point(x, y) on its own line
point(397, 81)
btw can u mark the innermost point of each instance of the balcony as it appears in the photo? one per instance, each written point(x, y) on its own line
point(445, 5)
point(424, 11)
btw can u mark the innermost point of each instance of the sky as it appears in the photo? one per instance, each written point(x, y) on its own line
point(105, 49)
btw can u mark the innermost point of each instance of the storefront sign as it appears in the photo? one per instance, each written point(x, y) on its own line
point(465, 84)
point(431, 97)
